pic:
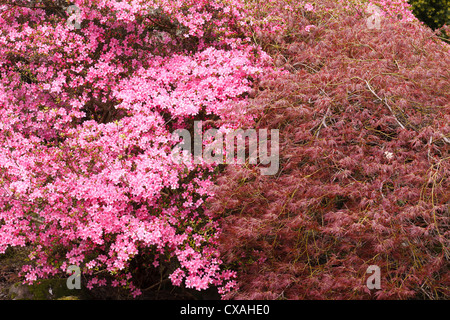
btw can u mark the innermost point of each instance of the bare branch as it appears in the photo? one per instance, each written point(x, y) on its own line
point(385, 102)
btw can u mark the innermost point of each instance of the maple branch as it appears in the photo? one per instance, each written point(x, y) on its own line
point(323, 122)
point(447, 140)
point(324, 119)
point(385, 102)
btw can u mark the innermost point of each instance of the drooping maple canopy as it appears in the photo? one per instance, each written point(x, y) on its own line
point(364, 179)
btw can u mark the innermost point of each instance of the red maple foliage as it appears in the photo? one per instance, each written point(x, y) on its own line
point(363, 116)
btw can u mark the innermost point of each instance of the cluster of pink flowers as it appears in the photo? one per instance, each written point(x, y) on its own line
point(86, 176)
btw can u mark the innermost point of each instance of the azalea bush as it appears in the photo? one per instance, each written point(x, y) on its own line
point(363, 116)
point(88, 100)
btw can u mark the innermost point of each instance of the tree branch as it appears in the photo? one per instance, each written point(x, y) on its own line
point(385, 102)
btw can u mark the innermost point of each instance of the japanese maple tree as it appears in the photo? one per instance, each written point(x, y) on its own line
point(363, 115)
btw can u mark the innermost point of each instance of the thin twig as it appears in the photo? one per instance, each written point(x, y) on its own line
point(445, 138)
point(385, 102)
point(36, 220)
point(156, 284)
point(303, 64)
